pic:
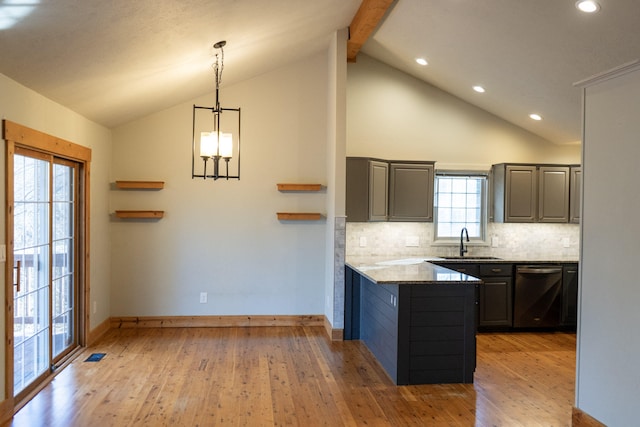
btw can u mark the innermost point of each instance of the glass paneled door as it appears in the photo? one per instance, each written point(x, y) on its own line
point(45, 291)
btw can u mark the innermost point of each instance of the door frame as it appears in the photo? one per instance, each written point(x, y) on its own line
point(16, 135)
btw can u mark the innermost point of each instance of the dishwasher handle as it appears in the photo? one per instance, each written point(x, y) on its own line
point(538, 270)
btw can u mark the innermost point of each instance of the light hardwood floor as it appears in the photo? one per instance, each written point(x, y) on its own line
point(266, 376)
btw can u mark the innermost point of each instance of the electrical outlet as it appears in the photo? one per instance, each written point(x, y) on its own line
point(363, 241)
point(203, 297)
point(566, 242)
point(494, 241)
point(413, 241)
point(394, 300)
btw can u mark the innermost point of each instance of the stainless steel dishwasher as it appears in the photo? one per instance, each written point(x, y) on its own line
point(537, 296)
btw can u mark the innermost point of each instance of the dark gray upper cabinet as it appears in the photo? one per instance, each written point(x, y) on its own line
point(515, 192)
point(575, 193)
point(530, 193)
point(411, 191)
point(379, 190)
point(367, 189)
point(553, 196)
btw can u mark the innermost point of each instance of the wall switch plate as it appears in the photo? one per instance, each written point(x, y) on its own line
point(494, 241)
point(565, 242)
point(363, 241)
point(3, 253)
point(95, 307)
point(203, 297)
point(412, 241)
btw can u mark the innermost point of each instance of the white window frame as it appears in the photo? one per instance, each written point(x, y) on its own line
point(482, 238)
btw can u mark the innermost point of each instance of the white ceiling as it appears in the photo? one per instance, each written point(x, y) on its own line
point(116, 60)
point(113, 61)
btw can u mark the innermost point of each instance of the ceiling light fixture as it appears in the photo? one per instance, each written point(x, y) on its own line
point(479, 89)
point(216, 135)
point(422, 61)
point(588, 6)
point(535, 117)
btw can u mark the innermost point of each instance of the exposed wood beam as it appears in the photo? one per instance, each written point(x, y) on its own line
point(364, 22)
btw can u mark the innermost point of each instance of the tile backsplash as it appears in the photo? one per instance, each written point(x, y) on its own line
point(408, 239)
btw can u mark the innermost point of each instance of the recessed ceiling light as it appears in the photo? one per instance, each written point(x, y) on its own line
point(588, 6)
point(421, 61)
point(479, 89)
point(535, 117)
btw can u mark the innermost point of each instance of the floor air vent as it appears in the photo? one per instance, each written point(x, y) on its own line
point(95, 357)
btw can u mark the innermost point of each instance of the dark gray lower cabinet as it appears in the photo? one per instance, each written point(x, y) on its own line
point(420, 334)
point(496, 307)
point(569, 316)
point(496, 296)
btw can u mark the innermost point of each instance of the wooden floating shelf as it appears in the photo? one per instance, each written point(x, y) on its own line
point(299, 187)
point(140, 214)
point(298, 216)
point(140, 185)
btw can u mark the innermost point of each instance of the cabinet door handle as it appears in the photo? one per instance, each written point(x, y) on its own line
point(17, 281)
point(496, 270)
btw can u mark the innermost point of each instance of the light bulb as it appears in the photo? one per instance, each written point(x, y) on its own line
point(208, 144)
point(226, 145)
point(588, 6)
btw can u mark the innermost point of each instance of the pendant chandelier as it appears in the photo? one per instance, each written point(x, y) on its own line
point(216, 134)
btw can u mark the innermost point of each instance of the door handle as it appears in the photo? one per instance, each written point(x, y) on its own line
point(17, 280)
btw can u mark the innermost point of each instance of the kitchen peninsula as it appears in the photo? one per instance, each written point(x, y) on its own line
point(417, 318)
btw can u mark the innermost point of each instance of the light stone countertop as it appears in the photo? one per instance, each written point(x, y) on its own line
point(413, 271)
point(419, 271)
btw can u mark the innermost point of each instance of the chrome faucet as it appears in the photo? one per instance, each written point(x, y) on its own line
point(464, 231)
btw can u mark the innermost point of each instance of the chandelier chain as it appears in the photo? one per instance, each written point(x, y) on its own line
point(218, 66)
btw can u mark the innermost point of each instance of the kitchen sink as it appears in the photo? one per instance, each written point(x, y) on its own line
point(470, 257)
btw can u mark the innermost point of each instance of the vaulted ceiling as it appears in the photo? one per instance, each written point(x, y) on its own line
point(113, 61)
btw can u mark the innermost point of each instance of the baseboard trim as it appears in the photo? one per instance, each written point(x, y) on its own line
point(215, 321)
point(96, 333)
point(579, 418)
point(6, 410)
point(334, 334)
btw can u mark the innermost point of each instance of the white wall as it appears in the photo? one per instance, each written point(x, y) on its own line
point(26, 107)
point(223, 237)
point(392, 115)
point(608, 372)
point(336, 172)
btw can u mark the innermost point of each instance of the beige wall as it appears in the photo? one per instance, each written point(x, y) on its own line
point(392, 115)
point(26, 107)
point(223, 237)
point(336, 170)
